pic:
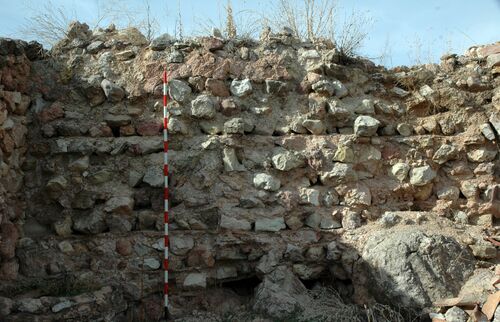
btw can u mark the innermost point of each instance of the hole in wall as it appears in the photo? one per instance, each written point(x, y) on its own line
point(116, 131)
point(243, 287)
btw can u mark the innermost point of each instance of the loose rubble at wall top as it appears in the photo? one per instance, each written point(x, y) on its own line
point(294, 172)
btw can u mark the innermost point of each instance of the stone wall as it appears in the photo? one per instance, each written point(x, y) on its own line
point(285, 158)
point(14, 103)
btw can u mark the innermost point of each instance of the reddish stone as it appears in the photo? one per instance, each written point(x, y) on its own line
point(390, 151)
point(54, 112)
point(206, 65)
point(9, 270)
point(9, 235)
point(149, 128)
point(127, 130)
point(7, 144)
point(153, 308)
point(200, 257)
point(211, 43)
point(123, 247)
point(18, 134)
point(268, 67)
point(100, 131)
point(489, 50)
point(217, 87)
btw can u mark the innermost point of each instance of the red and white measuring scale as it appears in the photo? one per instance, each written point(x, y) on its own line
point(165, 193)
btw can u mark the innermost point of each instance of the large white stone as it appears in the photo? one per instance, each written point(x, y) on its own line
point(359, 195)
point(203, 107)
point(195, 281)
point(270, 224)
point(241, 88)
point(286, 160)
point(181, 245)
point(266, 182)
point(420, 176)
point(366, 126)
point(179, 90)
point(482, 154)
point(231, 223)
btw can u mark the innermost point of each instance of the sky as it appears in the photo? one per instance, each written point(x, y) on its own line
point(400, 32)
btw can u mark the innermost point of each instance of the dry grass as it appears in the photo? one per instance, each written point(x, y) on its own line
point(48, 22)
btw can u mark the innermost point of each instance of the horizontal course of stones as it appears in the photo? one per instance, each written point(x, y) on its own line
point(276, 148)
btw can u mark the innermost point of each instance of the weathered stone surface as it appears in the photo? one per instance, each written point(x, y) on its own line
point(456, 314)
point(310, 196)
point(448, 193)
point(351, 220)
point(234, 126)
point(482, 154)
point(241, 88)
point(316, 127)
point(484, 251)
point(62, 306)
point(400, 171)
point(285, 160)
point(56, 186)
point(275, 87)
point(230, 160)
point(445, 153)
point(366, 106)
point(161, 42)
point(366, 126)
point(6, 305)
point(195, 281)
point(83, 200)
point(153, 176)
point(266, 182)
point(420, 176)
point(493, 60)
point(119, 205)
point(412, 267)
point(234, 224)
point(324, 87)
point(30, 305)
point(404, 129)
point(280, 293)
point(358, 195)
point(117, 120)
point(179, 90)
point(217, 87)
point(203, 107)
point(181, 245)
point(113, 92)
point(340, 173)
point(487, 131)
point(93, 223)
point(389, 219)
point(344, 154)
point(270, 224)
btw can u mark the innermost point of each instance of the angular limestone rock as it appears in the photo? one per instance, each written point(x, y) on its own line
point(366, 126)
